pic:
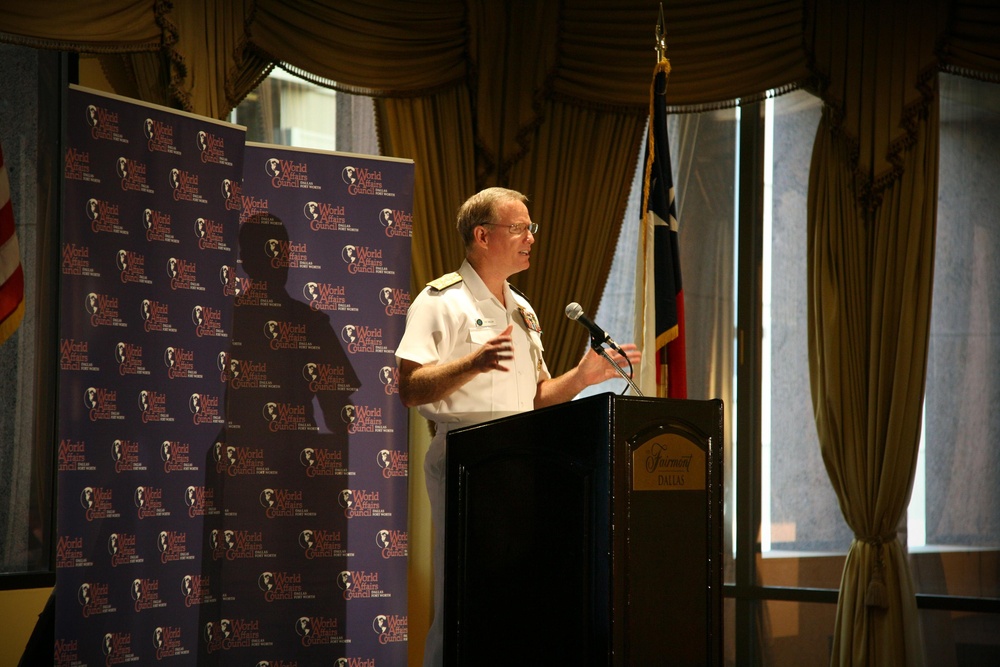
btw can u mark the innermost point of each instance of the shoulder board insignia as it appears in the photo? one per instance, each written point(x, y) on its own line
point(518, 292)
point(444, 281)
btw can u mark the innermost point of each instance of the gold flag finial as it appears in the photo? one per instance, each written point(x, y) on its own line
point(661, 37)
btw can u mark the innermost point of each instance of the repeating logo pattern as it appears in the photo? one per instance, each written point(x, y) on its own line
point(227, 378)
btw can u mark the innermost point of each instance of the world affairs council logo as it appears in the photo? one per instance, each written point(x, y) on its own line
point(364, 259)
point(148, 501)
point(131, 267)
point(319, 630)
point(209, 234)
point(364, 181)
point(393, 463)
point(389, 377)
point(396, 223)
point(104, 124)
point(117, 648)
point(103, 310)
point(122, 549)
point(167, 642)
point(361, 503)
point(361, 339)
point(326, 296)
point(231, 633)
point(283, 503)
point(364, 419)
point(98, 503)
point(390, 628)
point(133, 175)
point(323, 462)
point(103, 217)
point(360, 584)
point(326, 216)
point(232, 195)
point(70, 552)
point(196, 589)
point(212, 148)
point(278, 586)
point(172, 546)
point(125, 454)
point(392, 543)
point(185, 186)
point(146, 594)
point(159, 136)
point(288, 174)
point(94, 599)
point(158, 226)
point(396, 301)
point(316, 543)
point(101, 404)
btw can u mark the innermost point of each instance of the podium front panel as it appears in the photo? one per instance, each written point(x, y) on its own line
point(528, 540)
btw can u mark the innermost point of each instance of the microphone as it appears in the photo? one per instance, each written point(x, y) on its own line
point(574, 311)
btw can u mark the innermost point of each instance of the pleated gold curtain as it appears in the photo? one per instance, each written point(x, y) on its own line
point(549, 98)
point(872, 209)
point(870, 279)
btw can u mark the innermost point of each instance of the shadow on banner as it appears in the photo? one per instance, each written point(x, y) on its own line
point(279, 545)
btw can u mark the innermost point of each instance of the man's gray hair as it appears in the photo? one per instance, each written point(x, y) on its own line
point(481, 208)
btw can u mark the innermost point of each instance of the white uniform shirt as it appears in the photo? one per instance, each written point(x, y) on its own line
point(447, 324)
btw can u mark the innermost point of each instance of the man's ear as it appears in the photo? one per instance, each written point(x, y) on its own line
point(479, 234)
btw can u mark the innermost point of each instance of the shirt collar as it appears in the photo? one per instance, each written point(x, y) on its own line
point(479, 290)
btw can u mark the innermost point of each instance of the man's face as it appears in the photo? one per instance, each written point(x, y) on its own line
point(508, 252)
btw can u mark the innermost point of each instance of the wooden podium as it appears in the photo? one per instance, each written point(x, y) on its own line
point(588, 533)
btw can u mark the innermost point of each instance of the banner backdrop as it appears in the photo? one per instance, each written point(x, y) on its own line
point(232, 460)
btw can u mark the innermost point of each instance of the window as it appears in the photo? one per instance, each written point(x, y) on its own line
point(290, 111)
point(799, 510)
point(32, 83)
point(741, 181)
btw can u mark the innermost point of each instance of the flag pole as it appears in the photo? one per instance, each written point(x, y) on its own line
point(661, 37)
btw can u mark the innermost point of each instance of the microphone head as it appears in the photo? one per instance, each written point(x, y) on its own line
point(574, 311)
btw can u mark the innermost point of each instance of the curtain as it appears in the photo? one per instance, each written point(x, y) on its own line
point(111, 26)
point(372, 47)
point(871, 218)
point(205, 64)
point(436, 132)
point(578, 179)
point(870, 277)
point(972, 46)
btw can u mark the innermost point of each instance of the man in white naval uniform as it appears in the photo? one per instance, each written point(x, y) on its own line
point(472, 351)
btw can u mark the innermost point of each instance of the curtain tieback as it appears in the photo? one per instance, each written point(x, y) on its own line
point(876, 595)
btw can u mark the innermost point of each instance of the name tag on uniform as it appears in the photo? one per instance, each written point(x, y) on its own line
point(530, 320)
point(485, 322)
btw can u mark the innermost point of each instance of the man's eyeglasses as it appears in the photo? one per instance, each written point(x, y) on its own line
point(516, 229)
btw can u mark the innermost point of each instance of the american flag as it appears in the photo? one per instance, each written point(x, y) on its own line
point(11, 273)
